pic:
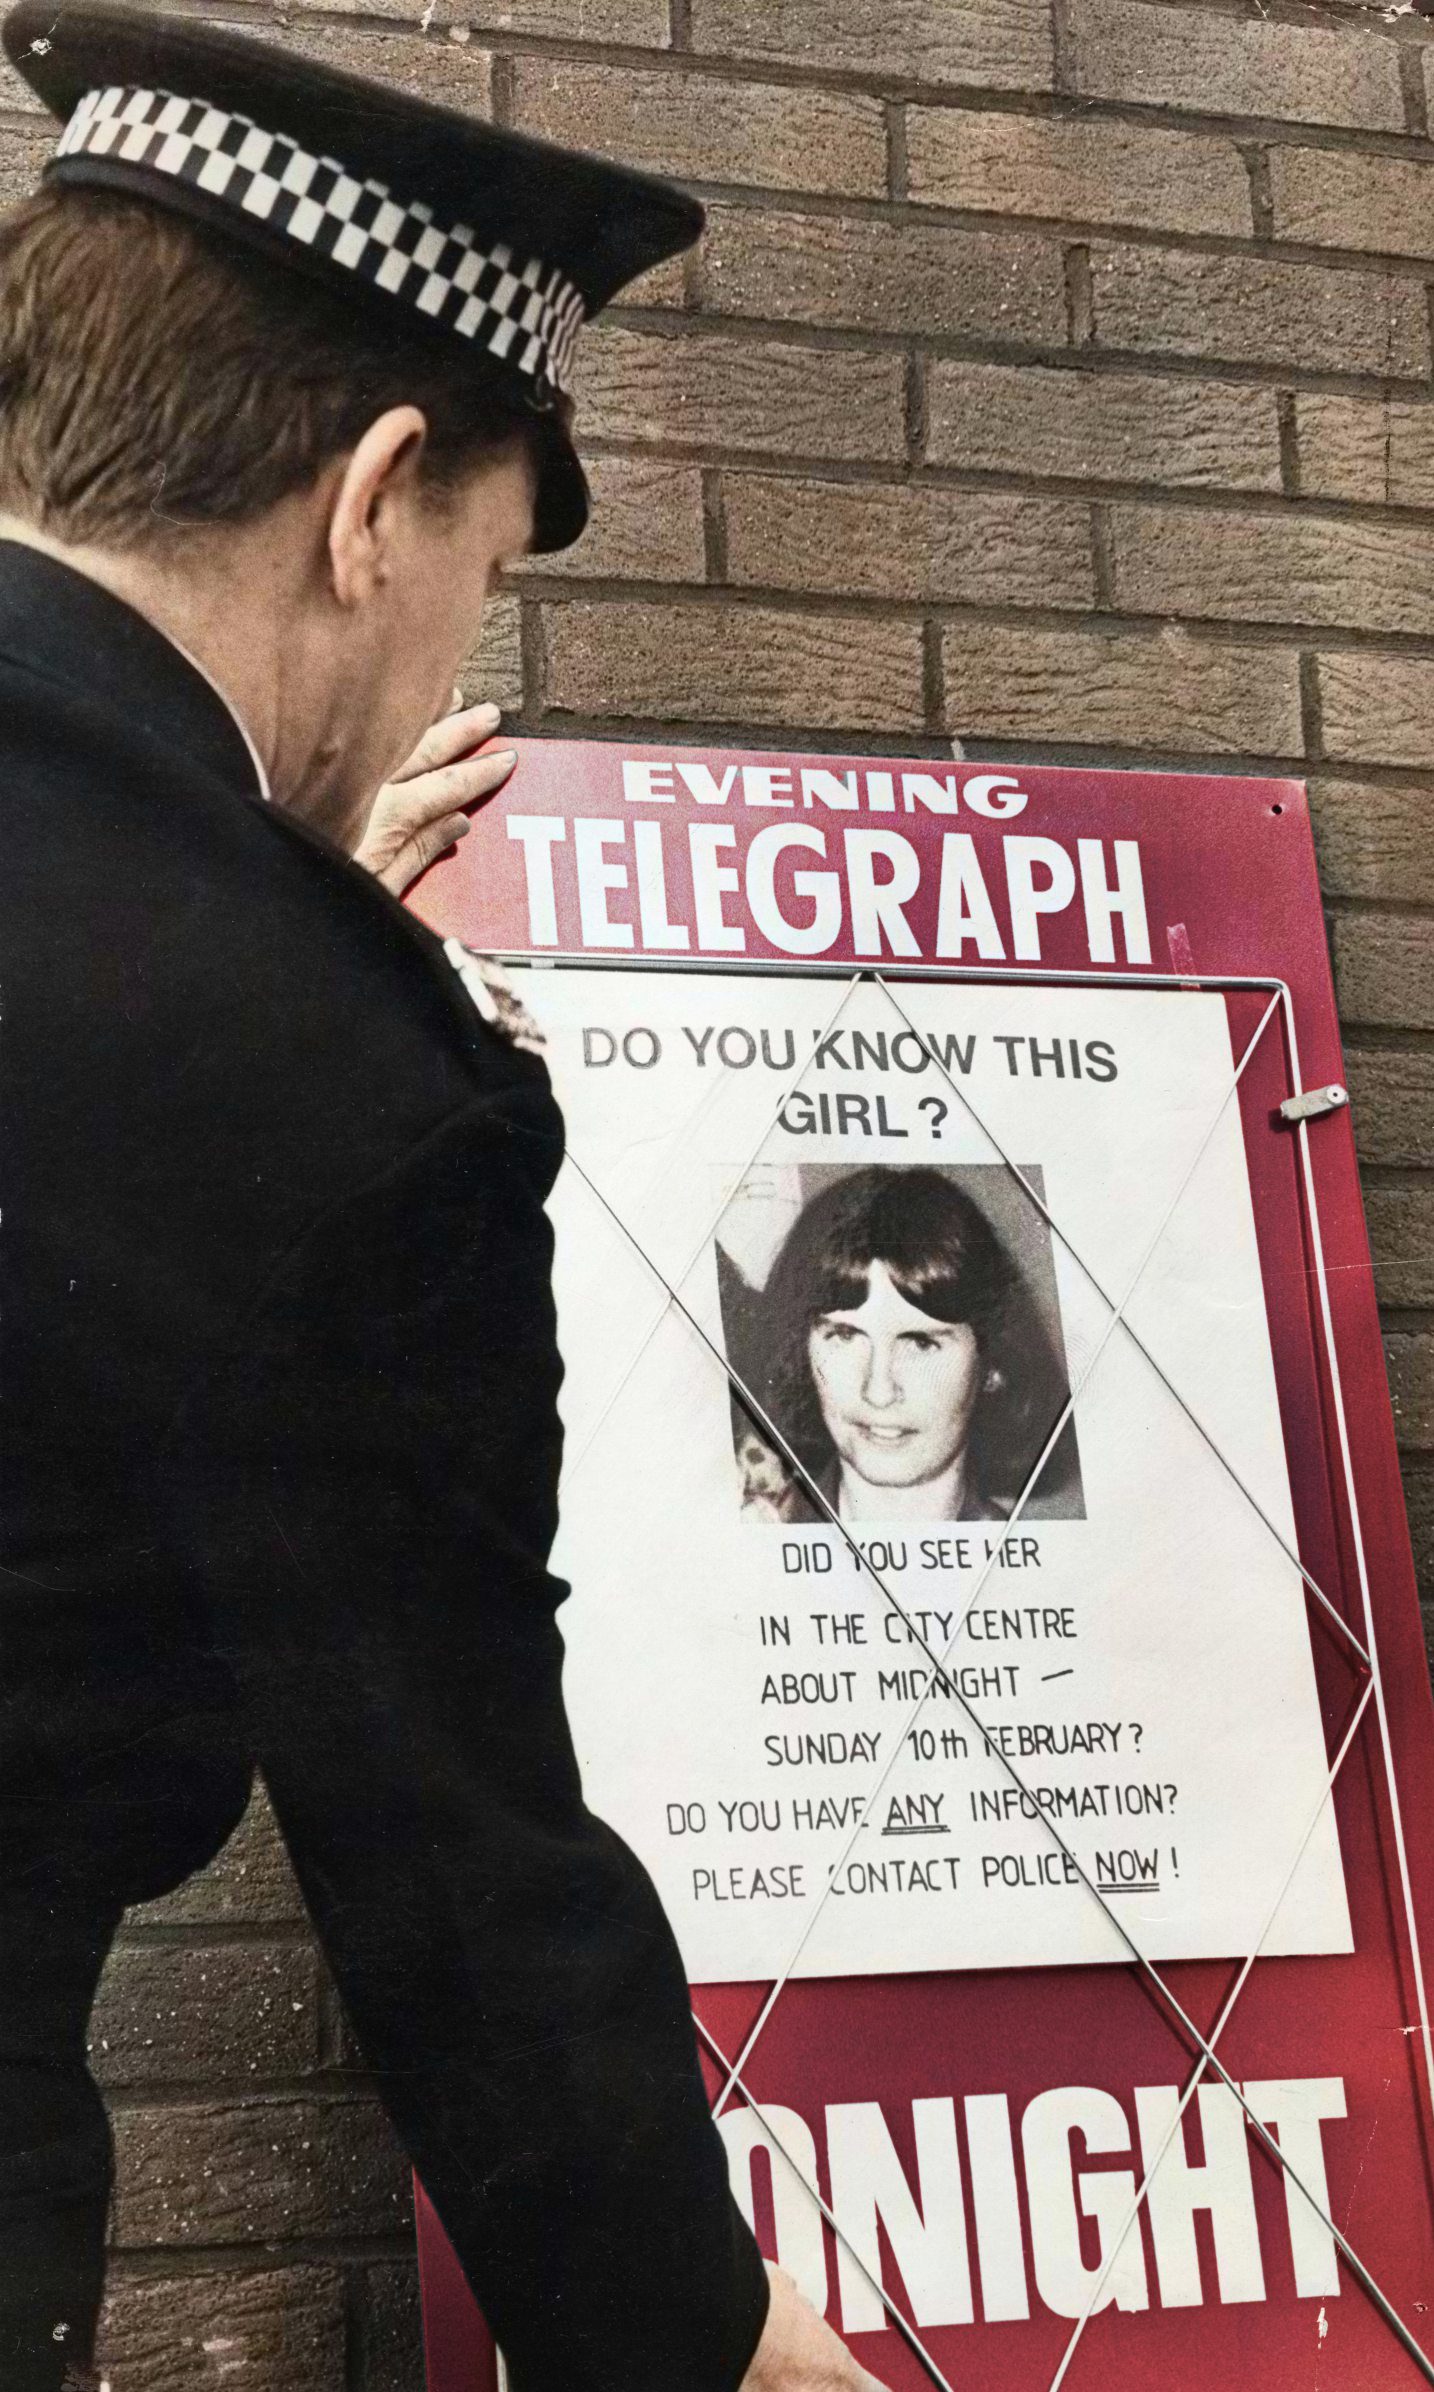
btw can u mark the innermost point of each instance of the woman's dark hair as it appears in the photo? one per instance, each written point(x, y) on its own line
point(945, 1258)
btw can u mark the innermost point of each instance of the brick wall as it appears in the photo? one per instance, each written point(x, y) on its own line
point(1056, 377)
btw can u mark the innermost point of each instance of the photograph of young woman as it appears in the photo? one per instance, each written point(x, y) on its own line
point(898, 1353)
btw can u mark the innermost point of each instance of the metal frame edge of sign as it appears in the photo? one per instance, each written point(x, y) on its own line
point(1341, 1304)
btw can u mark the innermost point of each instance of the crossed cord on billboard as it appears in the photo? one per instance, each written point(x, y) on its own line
point(733, 2070)
point(752, 1405)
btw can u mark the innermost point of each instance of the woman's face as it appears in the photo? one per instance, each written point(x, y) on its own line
point(898, 1388)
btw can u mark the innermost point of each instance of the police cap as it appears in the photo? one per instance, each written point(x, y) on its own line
point(456, 230)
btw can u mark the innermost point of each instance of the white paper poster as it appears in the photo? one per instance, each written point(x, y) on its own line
point(1070, 1648)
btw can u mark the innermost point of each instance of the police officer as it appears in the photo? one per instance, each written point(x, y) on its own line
point(284, 364)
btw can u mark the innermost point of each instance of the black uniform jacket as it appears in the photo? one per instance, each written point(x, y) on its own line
point(278, 1463)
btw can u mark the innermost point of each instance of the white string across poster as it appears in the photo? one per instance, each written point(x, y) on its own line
point(683, 1300)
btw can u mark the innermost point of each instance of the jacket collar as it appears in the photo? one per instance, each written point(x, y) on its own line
point(66, 629)
point(59, 624)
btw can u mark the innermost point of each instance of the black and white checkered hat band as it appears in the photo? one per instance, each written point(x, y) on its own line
point(528, 315)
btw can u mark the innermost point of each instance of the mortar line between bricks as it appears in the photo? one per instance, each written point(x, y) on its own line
point(714, 528)
point(331, 2025)
point(976, 349)
point(845, 606)
point(1079, 295)
point(1402, 1320)
point(898, 165)
point(1341, 779)
point(187, 1935)
point(323, 2088)
point(1358, 906)
point(1396, 779)
point(887, 473)
point(790, 73)
point(1043, 106)
point(1063, 49)
point(1093, 108)
point(1407, 1320)
point(1093, 232)
point(137, 2099)
point(728, 66)
point(142, 2263)
point(1255, 160)
point(1389, 1038)
point(915, 413)
point(1406, 1179)
point(852, 739)
point(1328, 14)
point(1411, 83)
point(1311, 707)
point(502, 86)
point(1005, 229)
point(933, 679)
point(533, 650)
point(1102, 549)
point(694, 278)
point(509, 47)
point(1112, 756)
point(787, 738)
point(1290, 476)
point(1129, 756)
point(1313, 16)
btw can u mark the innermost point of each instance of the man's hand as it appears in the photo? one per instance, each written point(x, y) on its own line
point(420, 812)
point(798, 2352)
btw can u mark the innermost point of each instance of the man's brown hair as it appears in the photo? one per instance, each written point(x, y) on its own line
point(155, 379)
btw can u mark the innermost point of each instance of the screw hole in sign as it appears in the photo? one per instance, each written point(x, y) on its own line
point(1277, 809)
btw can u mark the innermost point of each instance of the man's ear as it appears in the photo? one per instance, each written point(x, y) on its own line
point(378, 481)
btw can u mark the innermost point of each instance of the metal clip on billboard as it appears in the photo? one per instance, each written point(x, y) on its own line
point(994, 1623)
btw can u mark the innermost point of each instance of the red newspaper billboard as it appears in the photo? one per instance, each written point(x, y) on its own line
point(1027, 1725)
